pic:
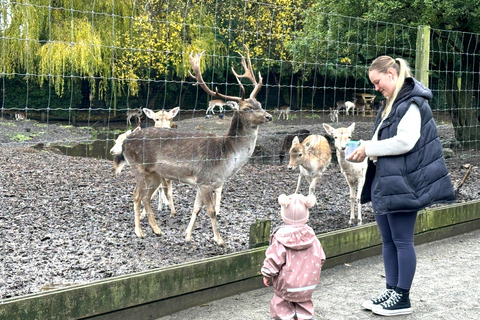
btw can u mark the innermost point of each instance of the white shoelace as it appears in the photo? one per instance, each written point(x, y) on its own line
point(385, 294)
point(394, 298)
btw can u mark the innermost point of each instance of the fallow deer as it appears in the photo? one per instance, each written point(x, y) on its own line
point(333, 115)
point(312, 156)
point(283, 112)
point(20, 116)
point(195, 158)
point(287, 141)
point(162, 118)
point(135, 113)
point(354, 172)
point(215, 103)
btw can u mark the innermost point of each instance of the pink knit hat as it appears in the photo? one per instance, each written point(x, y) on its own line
point(295, 208)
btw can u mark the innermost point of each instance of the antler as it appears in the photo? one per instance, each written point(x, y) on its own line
point(249, 75)
point(195, 63)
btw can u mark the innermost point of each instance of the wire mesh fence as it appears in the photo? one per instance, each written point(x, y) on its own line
point(75, 76)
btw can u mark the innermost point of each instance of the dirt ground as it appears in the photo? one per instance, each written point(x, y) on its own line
point(69, 220)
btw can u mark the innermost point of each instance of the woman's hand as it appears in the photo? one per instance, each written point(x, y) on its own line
point(358, 155)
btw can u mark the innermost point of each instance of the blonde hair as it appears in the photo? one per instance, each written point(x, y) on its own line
point(381, 65)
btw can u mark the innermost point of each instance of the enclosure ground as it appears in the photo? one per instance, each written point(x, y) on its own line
point(68, 220)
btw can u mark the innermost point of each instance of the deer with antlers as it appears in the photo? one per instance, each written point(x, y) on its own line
point(203, 160)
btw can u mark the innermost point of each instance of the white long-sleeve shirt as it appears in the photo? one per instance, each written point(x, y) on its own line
point(408, 133)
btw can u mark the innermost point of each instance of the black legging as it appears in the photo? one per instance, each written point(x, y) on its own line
point(399, 256)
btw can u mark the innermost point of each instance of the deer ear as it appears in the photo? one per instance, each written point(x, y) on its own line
point(352, 127)
point(328, 128)
point(295, 141)
point(149, 113)
point(174, 112)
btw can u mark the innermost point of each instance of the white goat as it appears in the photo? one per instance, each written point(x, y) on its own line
point(354, 172)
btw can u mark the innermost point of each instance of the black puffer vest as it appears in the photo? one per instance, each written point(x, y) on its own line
point(418, 178)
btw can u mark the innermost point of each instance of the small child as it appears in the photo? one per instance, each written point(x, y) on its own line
point(293, 261)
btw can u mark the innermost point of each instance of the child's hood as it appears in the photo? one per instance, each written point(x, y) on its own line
point(295, 237)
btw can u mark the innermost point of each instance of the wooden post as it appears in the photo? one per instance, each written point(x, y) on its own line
point(260, 233)
point(422, 56)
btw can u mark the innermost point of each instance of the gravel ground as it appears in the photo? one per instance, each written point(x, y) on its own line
point(69, 220)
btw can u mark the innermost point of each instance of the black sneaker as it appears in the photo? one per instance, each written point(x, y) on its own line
point(382, 297)
point(397, 304)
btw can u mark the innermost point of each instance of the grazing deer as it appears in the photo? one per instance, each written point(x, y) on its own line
point(287, 141)
point(333, 115)
point(195, 158)
point(312, 156)
point(283, 112)
point(135, 113)
point(354, 172)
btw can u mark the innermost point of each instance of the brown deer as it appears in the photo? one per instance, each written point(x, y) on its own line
point(162, 119)
point(287, 141)
point(283, 112)
point(312, 156)
point(135, 113)
point(354, 172)
point(195, 158)
point(20, 116)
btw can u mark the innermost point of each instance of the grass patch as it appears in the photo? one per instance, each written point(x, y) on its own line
point(20, 138)
point(11, 124)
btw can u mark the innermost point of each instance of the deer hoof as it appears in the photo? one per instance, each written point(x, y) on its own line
point(172, 214)
point(157, 230)
point(188, 238)
point(219, 241)
point(139, 233)
point(350, 222)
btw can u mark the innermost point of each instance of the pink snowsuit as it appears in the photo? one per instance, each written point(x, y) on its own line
point(293, 261)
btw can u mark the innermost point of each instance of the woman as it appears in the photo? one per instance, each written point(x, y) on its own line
point(406, 172)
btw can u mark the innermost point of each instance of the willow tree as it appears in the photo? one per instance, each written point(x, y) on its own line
point(62, 43)
point(154, 51)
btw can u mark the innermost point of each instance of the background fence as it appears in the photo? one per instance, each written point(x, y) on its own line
point(85, 63)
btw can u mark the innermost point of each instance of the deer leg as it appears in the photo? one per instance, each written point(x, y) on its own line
point(359, 204)
point(196, 208)
point(299, 183)
point(313, 183)
point(209, 199)
point(144, 214)
point(352, 205)
point(136, 206)
point(218, 196)
point(169, 193)
point(152, 186)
